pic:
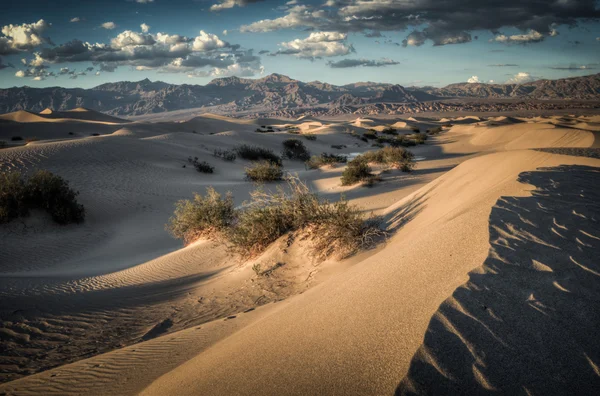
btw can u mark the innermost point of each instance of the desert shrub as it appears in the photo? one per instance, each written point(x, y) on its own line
point(52, 193)
point(434, 131)
point(226, 155)
point(71, 133)
point(264, 171)
point(13, 197)
point(310, 136)
point(43, 190)
point(295, 149)
point(357, 170)
point(205, 216)
point(334, 228)
point(201, 166)
point(16, 138)
point(3, 144)
point(389, 131)
point(257, 153)
point(325, 159)
point(95, 134)
point(416, 130)
point(397, 157)
point(370, 134)
point(338, 146)
point(420, 138)
point(31, 139)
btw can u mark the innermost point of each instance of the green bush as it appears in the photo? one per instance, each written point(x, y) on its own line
point(226, 155)
point(43, 190)
point(264, 171)
point(257, 153)
point(357, 170)
point(397, 157)
point(295, 149)
point(325, 159)
point(205, 216)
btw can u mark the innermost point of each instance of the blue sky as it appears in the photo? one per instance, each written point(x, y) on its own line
point(411, 43)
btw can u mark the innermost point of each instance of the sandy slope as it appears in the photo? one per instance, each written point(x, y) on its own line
point(118, 278)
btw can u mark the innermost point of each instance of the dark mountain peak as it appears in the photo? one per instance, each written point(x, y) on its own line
point(274, 77)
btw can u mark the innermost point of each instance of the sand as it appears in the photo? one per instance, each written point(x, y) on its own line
point(471, 268)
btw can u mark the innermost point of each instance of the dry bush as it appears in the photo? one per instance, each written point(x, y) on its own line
point(205, 216)
point(226, 155)
point(43, 190)
point(357, 170)
point(257, 153)
point(325, 159)
point(201, 166)
point(295, 149)
point(310, 136)
point(264, 171)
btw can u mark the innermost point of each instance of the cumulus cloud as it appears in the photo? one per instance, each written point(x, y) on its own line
point(145, 28)
point(317, 45)
point(109, 25)
point(447, 22)
point(345, 63)
point(76, 19)
point(473, 80)
point(23, 37)
point(225, 4)
point(532, 36)
point(521, 78)
point(165, 53)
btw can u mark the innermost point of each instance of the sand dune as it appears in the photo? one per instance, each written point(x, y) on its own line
point(477, 217)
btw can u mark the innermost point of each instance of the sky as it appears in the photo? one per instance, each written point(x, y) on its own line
point(408, 42)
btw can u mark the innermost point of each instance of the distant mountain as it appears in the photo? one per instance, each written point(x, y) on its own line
point(583, 88)
point(274, 92)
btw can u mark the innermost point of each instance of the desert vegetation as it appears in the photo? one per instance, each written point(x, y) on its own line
point(257, 153)
point(201, 166)
point(264, 171)
point(295, 149)
point(42, 190)
point(333, 227)
point(310, 136)
point(358, 170)
point(225, 155)
point(325, 159)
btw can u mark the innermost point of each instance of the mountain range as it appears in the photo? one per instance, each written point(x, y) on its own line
point(275, 92)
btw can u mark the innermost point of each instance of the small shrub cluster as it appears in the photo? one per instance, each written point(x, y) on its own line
point(16, 138)
point(257, 153)
point(397, 141)
point(3, 144)
point(334, 228)
point(201, 166)
point(264, 171)
point(265, 129)
point(43, 190)
point(325, 159)
point(310, 136)
point(294, 130)
point(205, 216)
point(338, 146)
point(356, 171)
point(226, 155)
point(371, 134)
point(396, 157)
point(295, 149)
point(389, 131)
point(434, 131)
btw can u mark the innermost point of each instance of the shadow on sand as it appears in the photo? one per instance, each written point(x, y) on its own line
point(527, 320)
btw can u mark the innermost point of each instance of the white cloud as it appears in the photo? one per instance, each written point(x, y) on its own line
point(207, 41)
point(521, 78)
point(473, 80)
point(22, 37)
point(76, 19)
point(145, 28)
point(532, 36)
point(316, 45)
point(226, 4)
point(108, 25)
point(97, 73)
point(129, 38)
point(20, 73)
point(144, 1)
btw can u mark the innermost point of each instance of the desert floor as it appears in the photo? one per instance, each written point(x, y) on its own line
point(489, 279)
